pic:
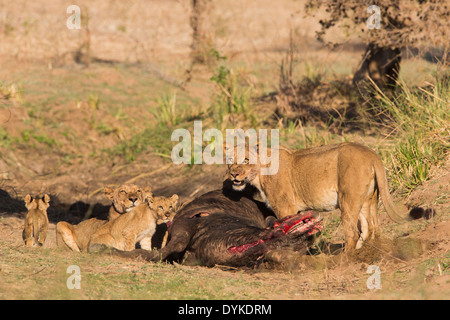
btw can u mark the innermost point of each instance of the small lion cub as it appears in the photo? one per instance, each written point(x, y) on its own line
point(138, 225)
point(36, 221)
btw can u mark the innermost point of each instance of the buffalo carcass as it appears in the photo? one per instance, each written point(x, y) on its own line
point(225, 228)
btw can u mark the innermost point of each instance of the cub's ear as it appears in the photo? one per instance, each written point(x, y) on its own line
point(44, 203)
point(28, 199)
point(29, 202)
point(46, 198)
point(109, 193)
point(174, 198)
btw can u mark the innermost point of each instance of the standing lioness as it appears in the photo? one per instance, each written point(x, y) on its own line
point(347, 176)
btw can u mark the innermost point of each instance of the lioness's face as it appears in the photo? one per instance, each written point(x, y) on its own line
point(126, 197)
point(164, 207)
point(242, 171)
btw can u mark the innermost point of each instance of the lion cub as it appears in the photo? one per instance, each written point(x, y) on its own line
point(124, 199)
point(36, 221)
point(138, 225)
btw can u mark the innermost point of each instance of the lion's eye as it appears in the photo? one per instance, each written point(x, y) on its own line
point(123, 192)
point(245, 161)
point(170, 208)
point(160, 208)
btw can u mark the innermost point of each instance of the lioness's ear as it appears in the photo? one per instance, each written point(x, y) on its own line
point(147, 192)
point(227, 147)
point(150, 201)
point(109, 193)
point(255, 146)
point(149, 198)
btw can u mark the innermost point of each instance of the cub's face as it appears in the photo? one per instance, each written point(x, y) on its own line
point(240, 169)
point(127, 196)
point(164, 207)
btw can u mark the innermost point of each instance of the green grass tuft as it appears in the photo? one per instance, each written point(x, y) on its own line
point(419, 120)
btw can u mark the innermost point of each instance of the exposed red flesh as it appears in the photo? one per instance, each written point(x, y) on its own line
point(290, 224)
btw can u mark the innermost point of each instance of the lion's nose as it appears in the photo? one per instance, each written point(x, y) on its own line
point(132, 199)
point(234, 175)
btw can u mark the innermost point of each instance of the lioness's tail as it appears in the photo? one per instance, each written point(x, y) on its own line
point(383, 189)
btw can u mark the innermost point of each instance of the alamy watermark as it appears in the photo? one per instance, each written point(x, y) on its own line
point(374, 281)
point(74, 280)
point(374, 21)
point(73, 22)
point(235, 139)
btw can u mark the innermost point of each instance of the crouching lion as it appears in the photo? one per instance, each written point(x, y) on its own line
point(124, 199)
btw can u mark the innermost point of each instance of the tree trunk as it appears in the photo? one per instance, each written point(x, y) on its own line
point(201, 40)
point(381, 65)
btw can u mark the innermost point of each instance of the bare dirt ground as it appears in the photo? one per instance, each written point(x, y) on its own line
point(62, 116)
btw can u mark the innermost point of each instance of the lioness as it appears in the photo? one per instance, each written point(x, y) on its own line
point(36, 221)
point(76, 237)
point(347, 176)
point(135, 226)
point(124, 199)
